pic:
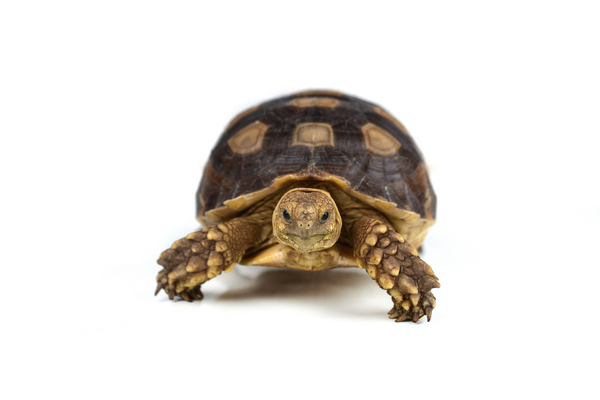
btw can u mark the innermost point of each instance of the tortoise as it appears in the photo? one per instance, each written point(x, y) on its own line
point(312, 181)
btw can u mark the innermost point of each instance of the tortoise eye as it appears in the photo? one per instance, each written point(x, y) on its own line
point(324, 217)
point(287, 216)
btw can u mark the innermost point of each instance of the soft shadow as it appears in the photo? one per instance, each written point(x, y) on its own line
point(345, 291)
point(278, 284)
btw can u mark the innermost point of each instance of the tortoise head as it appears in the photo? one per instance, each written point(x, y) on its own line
point(307, 220)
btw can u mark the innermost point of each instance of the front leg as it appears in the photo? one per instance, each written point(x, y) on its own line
point(202, 255)
point(396, 266)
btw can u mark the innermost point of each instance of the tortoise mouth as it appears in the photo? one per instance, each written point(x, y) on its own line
point(308, 242)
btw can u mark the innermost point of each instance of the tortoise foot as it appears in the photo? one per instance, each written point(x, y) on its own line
point(396, 266)
point(413, 308)
point(186, 294)
point(193, 260)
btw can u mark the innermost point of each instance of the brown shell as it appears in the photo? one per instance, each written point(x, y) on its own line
point(325, 136)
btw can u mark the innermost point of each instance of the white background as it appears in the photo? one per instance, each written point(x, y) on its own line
point(108, 112)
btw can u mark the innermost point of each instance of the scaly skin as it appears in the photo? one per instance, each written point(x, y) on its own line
point(202, 255)
point(395, 265)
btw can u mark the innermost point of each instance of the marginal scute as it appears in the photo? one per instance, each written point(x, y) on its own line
point(249, 139)
point(419, 184)
point(381, 112)
point(326, 102)
point(379, 141)
point(313, 134)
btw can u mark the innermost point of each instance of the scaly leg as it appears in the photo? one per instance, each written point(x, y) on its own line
point(202, 255)
point(396, 266)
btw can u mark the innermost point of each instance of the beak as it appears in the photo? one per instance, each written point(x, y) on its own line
point(305, 243)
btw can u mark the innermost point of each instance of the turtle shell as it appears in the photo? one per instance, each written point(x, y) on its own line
point(322, 136)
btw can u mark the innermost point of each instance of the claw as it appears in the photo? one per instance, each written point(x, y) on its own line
point(200, 294)
point(194, 295)
point(185, 296)
point(402, 317)
point(158, 288)
point(415, 316)
point(428, 311)
point(171, 294)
